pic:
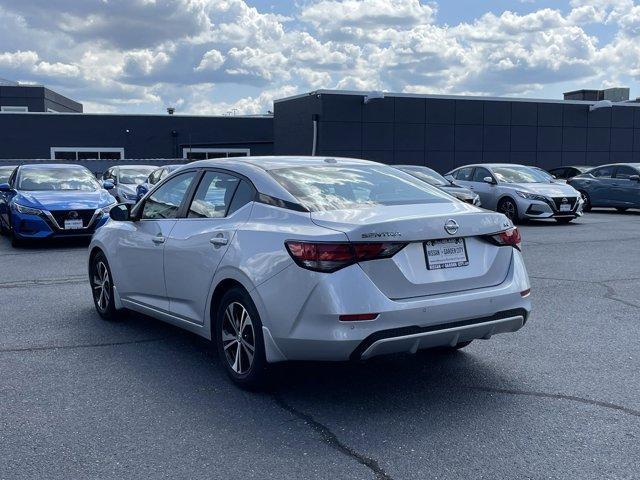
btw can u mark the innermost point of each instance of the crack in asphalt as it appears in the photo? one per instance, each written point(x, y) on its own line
point(45, 281)
point(332, 440)
point(610, 293)
point(84, 345)
point(559, 396)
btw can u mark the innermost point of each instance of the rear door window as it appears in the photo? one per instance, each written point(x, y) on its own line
point(465, 174)
point(602, 172)
point(213, 196)
point(625, 172)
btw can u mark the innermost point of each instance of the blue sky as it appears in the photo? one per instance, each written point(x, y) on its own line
point(215, 56)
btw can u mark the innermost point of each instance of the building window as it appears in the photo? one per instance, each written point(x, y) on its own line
point(207, 153)
point(13, 109)
point(87, 153)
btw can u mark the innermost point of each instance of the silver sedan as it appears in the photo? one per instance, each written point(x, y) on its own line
point(520, 192)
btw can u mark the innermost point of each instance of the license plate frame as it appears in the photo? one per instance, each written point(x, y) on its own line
point(73, 224)
point(453, 262)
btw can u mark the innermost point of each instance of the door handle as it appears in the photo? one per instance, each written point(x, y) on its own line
point(158, 240)
point(219, 241)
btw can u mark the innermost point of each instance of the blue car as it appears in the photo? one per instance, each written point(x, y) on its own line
point(616, 185)
point(155, 176)
point(53, 200)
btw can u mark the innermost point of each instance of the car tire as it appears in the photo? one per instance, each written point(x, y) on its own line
point(564, 220)
point(586, 207)
point(238, 330)
point(508, 207)
point(102, 288)
point(621, 209)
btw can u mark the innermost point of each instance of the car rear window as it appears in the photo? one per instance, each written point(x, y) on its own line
point(334, 187)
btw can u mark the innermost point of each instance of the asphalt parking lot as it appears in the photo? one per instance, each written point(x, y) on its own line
point(85, 399)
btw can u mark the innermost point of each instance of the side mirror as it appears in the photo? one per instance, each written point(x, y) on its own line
point(5, 187)
point(120, 213)
point(635, 178)
point(107, 185)
point(488, 180)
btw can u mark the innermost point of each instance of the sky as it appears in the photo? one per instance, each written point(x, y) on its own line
point(213, 57)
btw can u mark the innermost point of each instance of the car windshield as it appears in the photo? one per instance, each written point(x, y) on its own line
point(5, 173)
point(427, 175)
point(355, 186)
point(544, 174)
point(519, 175)
point(67, 178)
point(134, 176)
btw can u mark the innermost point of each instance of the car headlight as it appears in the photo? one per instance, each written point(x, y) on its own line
point(27, 210)
point(531, 196)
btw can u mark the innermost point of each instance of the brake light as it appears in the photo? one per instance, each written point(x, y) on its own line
point(509, 237)
point(329, 257)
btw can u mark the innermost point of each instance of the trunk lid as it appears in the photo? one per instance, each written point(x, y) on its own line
point(406, 275)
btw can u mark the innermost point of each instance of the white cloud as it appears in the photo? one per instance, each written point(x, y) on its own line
point(144, 54)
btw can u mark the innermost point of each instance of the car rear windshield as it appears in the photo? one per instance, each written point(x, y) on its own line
point(326, 187)
point(34, 179)
point(134, 176)
point(519, 175)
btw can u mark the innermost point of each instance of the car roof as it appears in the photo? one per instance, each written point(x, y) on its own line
point(51, 165)
point(273, 162)
point(153, 167)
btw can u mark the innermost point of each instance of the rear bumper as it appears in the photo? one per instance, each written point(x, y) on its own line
point(412, 339)
point(312, 330)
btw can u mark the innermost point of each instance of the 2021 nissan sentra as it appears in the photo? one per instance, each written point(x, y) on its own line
point(52, 200)
point(310, 258)
point(432, 177)
point(616, 185)
point(126, 179)
point(520, 192)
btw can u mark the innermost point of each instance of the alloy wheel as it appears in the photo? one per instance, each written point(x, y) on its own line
point(238, 338)
point(509, 209)
point(101, 286)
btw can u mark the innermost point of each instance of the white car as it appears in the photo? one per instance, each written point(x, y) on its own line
point(310, 258)
point(126, 179)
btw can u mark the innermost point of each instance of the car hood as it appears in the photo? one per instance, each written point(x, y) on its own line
point(546, 189)
point(64, 200)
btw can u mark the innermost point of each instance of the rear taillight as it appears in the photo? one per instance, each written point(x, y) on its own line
point(509, 237)
point(329, 257)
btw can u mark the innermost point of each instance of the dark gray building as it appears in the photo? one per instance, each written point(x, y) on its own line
point(16, 97)
point(447, 131)
point(439, 131)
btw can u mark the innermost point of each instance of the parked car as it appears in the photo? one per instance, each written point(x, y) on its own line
point(616, 185)
point(432, 177)
point(520, 192)
point(570, 171)
point(52, 200)
point(5, 172)
point(126, 179)
point(550, 178)
point(306, 258)
point(155, 176)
